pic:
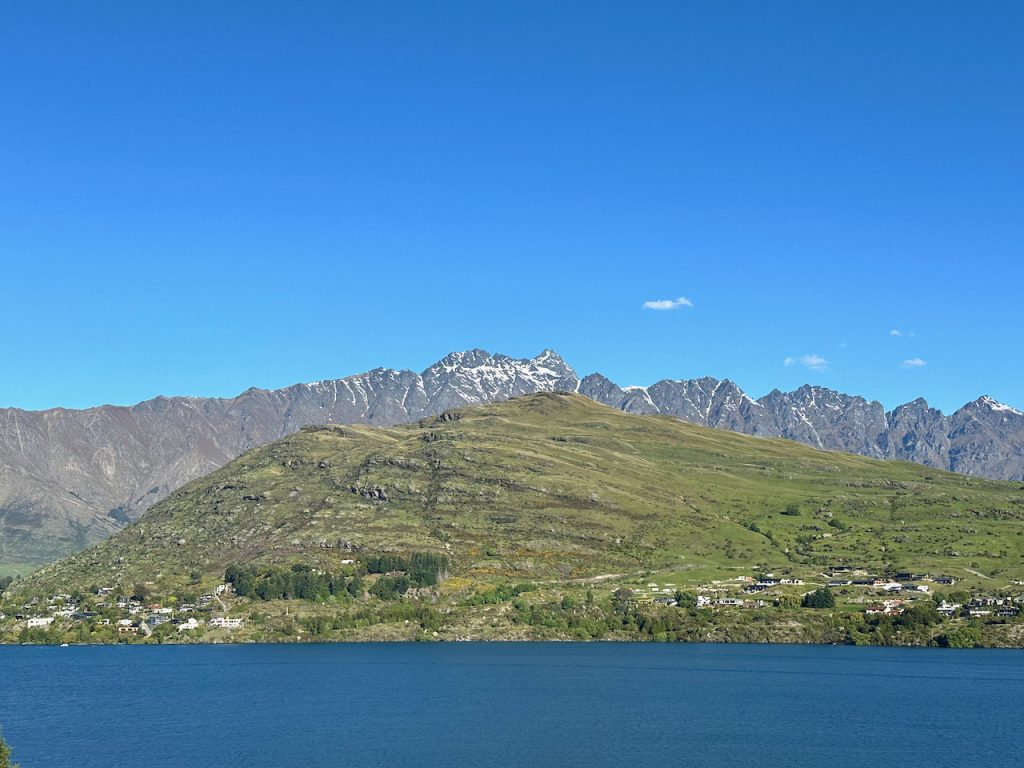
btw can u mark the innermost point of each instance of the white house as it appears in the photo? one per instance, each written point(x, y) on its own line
point(187, 625)
point(40, 621)
point(222, 622)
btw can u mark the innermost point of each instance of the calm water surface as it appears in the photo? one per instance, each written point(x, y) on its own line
point(467, 704)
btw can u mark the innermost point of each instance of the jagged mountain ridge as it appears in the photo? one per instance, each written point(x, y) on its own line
point(71, 477)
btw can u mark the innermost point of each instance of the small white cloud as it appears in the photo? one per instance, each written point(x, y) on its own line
point(898, 333)
point(915, 362)
point(895, 332)
point(812, 362)
point(682, 301)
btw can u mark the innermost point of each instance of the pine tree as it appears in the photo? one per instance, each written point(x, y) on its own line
point(819, 598)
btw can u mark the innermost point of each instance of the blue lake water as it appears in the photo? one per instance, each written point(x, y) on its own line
point(467, 704)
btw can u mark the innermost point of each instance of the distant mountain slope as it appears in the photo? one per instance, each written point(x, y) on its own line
point(984, 438)
point(556, 486)
point(69, 478)
point(72, 477)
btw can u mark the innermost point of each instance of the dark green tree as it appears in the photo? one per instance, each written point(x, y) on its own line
point(140, 592)
point(686, 599)
point(355, 586)
point(918, 616)
point(819, 598)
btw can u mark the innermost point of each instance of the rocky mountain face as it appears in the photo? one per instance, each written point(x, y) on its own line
point(984, 438)
point(71, 477)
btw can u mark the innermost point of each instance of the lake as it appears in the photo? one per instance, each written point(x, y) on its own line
point(476, 704)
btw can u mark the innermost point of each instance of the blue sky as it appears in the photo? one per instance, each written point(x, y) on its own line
point(197, 198)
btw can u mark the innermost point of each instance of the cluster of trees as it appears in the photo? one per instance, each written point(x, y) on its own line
point(427, 617)
point(966, 636)
point(589, 620)
point(5, 582)
point(391, 587)
point(300, 582)
point(565, 617)
point(915, 617)
point(423, 569)
point(500, 594)
point(403, 572)
point(819, 598)
point(912, 627)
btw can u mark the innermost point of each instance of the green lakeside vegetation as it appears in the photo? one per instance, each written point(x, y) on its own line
point(548, 517)
point(5, 754)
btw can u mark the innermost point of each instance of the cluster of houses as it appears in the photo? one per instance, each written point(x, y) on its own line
point(976, 607)
point(703, 601)
point(661, 594)
point(984, 606)
point(765, 582)
point(722, 594)
point(136, 616)
point(886, 608)
point(664, 594)
point(849, 575)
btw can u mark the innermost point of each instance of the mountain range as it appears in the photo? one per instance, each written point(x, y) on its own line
point(556, 486)
point(69, 478)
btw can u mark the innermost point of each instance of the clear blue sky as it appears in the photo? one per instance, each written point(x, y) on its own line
point(196, 198)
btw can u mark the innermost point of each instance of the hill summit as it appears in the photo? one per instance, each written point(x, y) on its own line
point(69, 478)
point(556, 487)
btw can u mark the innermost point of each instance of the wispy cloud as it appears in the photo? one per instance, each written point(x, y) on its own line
point(811, 362)
point(682, 301)
point(915, 362)
point(900, 334)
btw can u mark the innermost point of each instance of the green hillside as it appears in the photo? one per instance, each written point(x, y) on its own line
point(559, 490)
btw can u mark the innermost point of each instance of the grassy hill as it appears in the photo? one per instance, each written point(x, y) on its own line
point(557, 487)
